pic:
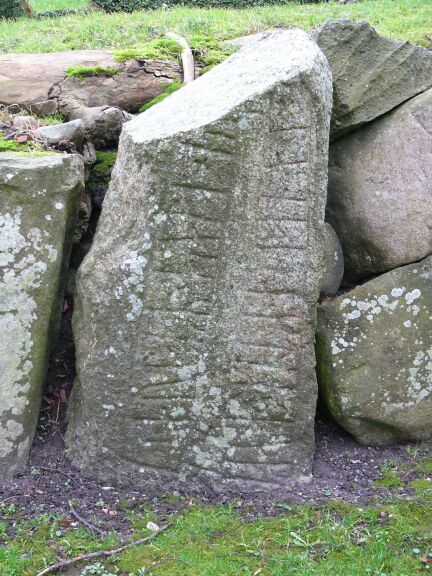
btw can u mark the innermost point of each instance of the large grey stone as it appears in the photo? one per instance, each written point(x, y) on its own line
point(374, 356)
point(195, 315)
point(39, 196)
point(371, 73)
point(380, 190)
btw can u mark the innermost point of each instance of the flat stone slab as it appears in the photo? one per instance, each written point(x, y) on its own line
point(39, 197)
point(195, 313)
point(374, 356)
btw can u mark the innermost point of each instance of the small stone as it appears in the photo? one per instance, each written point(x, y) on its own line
point(72, 131)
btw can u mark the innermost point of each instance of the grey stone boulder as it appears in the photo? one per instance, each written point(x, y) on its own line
point(374, 356)
point(372, 74)
point(39, 197)
point(73, 131)
point(380, 190)
point(195, 313)
point(333, 262)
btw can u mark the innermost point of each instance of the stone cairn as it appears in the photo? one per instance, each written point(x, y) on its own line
point(196, 318)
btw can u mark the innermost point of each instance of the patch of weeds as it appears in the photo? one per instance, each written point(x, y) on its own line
point(86, 71)
point(390, 477)
point(389, 480)
point(424, 466)
point(169, 89)
point(171, 498)
point(105, 161)
point(51, 119)
point(7, 509)
point(158, 49)
point(422, 486)
point(97, 569)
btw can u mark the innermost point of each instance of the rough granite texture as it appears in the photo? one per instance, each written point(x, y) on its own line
point(371, 73)
point(374, 356)
point(39, 197)
point(195, 316)
point(380, 190)
point(333, 262)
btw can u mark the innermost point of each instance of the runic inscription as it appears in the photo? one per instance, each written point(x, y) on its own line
point(195, 313)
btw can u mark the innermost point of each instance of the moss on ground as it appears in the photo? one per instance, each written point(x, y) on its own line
point(157, 49)
point(86, 71)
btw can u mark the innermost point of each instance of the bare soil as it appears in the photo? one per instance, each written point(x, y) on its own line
point(343, 469)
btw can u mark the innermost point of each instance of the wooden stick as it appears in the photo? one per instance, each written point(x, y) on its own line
point(105, 553)
point(86, 523)
point(186, 56)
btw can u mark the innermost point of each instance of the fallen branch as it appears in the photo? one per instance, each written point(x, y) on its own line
point(104, 553)
point(186, 56)
point(85, 522)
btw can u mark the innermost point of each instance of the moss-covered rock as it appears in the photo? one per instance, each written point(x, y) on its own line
point(374, 356)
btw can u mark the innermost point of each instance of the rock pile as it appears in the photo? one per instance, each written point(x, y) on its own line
point(196, 306)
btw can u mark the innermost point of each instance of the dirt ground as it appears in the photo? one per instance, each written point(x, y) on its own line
point(343, 469)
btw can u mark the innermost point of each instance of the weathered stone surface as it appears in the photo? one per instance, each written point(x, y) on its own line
point(72, 131)
point(38, 80)
point(374, 356)
point(195, 314)
point(38, 201)
point(333, 262)
point(103, 124)
point(371, 73)
point(380, 190)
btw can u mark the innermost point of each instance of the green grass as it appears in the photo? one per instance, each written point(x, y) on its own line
point(45, 5)
point(391, 539)
point(404, 19)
